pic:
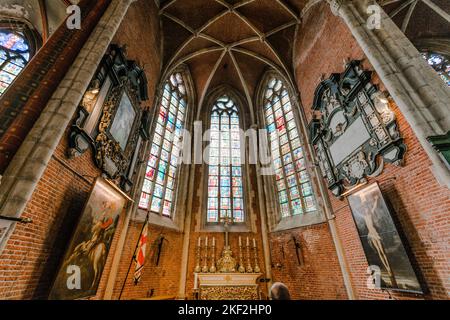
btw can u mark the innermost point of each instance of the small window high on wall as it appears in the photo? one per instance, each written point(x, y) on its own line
point(161, 177)
point(440, 64)
point(225, 170)
point(14, 55)
point(292, 180)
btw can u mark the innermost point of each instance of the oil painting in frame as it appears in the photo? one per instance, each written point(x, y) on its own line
point(382, 244)
point(82, 267)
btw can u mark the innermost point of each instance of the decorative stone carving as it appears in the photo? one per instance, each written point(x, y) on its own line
point(118, 81)
point(356, 131)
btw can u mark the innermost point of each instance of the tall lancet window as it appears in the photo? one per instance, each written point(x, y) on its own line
point(225, 177)
point(158, 193)
point(293, 183)
point(14, 55)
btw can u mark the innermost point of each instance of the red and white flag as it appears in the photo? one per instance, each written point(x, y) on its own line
point(140, 254)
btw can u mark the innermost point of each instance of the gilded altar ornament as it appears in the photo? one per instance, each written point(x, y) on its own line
point(241, 257)
point(213, 268)
point(255, 248)
point(229, 293)
point(249, 265)
point(227, 264)
point(198, 257)
point(205, 263)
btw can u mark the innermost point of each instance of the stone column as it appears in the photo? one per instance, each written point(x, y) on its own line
point(31, 160)
point(422, 97)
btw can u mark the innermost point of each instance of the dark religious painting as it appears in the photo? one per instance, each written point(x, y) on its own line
point(84, 261)
point(381, 242)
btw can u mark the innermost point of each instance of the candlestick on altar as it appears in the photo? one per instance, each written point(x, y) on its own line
point(249, 265)
point(205, 263)
point(241, 257)
point(213, 268)
point(255, 248)
point(198, 256)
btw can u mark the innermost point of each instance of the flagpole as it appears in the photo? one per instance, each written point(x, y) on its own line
point(133, 258)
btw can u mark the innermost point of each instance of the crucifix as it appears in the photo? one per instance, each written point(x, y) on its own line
point(227, 221)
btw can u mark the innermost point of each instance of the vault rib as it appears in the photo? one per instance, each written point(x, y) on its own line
point(401, 8)
point(244, 84)
point(242, 3)
point(437, 9)
point(194, 36)
point(244, 41)
point(212, 39)
point(408, 16)
point(289, 10)
point(281, 28)
point(167, 5)
point(179, 21)
point(208, 81)
point(280, 69)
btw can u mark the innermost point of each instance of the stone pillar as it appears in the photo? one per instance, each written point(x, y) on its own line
point(24, 101)
point(31, 160)
point(422, 97)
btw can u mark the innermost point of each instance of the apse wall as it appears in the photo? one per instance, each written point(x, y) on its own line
point(419, 202)
point(30, 261)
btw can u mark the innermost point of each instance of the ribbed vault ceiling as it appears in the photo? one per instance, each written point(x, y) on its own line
point(232, 42)
point(229, 42)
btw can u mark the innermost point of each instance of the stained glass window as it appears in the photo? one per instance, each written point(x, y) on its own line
point(158, 192)
point(293, 184)
point(14, 55)
point(439, 63)
point(225, 176)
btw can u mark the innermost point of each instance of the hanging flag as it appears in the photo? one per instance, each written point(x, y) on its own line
point(139, 257)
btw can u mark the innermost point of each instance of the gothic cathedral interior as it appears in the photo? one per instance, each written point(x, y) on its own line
point(224, 149)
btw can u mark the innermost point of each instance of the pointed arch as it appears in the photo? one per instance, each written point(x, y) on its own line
point(225, 157)
point(173, 114)
point(290, 190)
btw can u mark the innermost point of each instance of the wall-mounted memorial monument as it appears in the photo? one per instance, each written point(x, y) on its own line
point(354, 131)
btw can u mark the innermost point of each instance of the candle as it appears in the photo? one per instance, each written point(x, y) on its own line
point(199, 241)
point(254, 243)
point(206, 242)
point(248, 242)
point(240, 241)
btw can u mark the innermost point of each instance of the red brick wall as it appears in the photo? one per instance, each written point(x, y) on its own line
point(420, 203)
point(29, 263)
point(318, 276)
point(163, 278)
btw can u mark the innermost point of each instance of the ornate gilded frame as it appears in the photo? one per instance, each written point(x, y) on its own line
point(116, 76)
point(110, 156)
